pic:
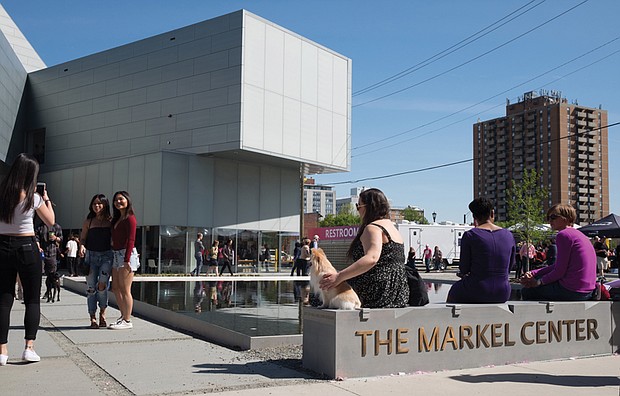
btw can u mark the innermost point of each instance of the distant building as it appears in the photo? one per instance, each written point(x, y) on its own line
point(319, 198)
point(348, 203)
point(565, 141)
point(397, 215)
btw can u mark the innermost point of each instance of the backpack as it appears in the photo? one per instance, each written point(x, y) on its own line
point(418, 292)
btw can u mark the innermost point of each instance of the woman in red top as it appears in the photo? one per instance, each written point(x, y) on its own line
point(125, 257)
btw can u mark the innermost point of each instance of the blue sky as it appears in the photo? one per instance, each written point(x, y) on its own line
point(428, 123)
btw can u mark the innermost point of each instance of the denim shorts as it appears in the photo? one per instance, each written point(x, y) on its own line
point(119, 259)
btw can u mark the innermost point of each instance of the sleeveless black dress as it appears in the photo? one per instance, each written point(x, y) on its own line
point(385, 285)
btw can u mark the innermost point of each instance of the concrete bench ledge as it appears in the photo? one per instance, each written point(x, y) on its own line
point(372, 342)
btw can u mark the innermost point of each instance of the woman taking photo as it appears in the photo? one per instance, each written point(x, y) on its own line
point(125, 257)
point(96, 235)
point(377, 273)
point(19, 253)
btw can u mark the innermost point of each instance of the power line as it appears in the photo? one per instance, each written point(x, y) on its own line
point(461, 161)
point(487, 99)
point(449, 50)
point(470, 60)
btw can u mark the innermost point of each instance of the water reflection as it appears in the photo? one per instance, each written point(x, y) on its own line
point(255, 308)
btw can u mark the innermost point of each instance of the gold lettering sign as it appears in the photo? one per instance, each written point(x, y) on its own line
point(490, 335)
point(400, 341)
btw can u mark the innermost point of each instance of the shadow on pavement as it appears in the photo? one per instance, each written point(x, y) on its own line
point(558, 380)
point(274, 369)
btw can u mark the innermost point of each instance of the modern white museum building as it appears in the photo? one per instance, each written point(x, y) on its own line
point(209, 127)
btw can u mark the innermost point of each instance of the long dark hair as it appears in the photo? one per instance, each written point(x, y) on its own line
point(21, 177)
point(106, 207)
point(116, 214)
point(376, 207)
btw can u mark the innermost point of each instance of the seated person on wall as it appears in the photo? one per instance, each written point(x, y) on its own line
point(487, 253)
point(573, 276)
point(377, 273)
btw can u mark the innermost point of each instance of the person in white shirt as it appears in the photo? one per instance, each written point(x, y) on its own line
point(19, 252)
point(71, 252)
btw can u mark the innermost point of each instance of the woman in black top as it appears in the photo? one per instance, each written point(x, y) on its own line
point(96, 237)
point(377, 273)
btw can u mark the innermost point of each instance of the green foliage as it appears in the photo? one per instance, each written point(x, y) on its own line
point(525, 201)
point(346, 217)
point(411, 214)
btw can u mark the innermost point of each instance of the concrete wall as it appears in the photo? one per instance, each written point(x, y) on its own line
point(445, 337)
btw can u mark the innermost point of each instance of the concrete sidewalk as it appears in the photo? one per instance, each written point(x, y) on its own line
point(154, 360)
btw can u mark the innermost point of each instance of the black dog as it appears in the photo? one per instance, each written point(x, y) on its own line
point(52, 283)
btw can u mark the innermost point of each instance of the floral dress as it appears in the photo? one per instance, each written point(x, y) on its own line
point(385, 284)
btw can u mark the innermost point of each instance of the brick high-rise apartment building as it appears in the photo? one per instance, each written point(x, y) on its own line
point(566, 141)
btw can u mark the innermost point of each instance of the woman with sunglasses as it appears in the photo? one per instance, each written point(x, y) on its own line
point(573, 276)
point(377, 273)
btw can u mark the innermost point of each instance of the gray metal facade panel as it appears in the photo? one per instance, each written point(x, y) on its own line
point(227, 40)
point(162, 57)
point(12, 81)
point(210, 99)
point(175, 173)
point(105, 135)
point(159, 126)
point(159, 92)
point(132, 98)
point(145, 111)
point(131, 130)
point(194, 49)
point(184, 95)
point(80, 109)
point(116, 149)
point(106, 103)
point(144, 145)
point(211, 62)
point(177, 71)
point(106, 72)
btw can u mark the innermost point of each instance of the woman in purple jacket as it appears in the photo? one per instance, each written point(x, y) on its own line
point(573, 276)
point(487, 253)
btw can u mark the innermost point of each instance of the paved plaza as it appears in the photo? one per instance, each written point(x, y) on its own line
point(154, 360)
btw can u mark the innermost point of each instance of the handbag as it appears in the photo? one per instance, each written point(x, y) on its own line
point(418, 292)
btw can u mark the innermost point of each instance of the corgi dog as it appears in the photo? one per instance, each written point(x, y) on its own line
point(339, 297)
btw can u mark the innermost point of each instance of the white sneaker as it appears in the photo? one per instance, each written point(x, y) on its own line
point(30, 355)
point(117, 321)
point(121, 325)
point(3, 359)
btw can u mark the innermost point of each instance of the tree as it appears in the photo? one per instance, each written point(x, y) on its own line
point(411, 214)
point(525, 201)
point(346, 217)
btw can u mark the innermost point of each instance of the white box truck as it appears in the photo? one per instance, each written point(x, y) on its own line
point(446, 236)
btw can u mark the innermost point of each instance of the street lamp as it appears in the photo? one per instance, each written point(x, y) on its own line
point(434, 216)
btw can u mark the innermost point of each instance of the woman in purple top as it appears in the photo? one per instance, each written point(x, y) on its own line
point(487, 253)
point(573, 276)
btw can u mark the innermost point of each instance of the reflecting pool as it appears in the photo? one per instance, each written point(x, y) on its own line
point(251, 307)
